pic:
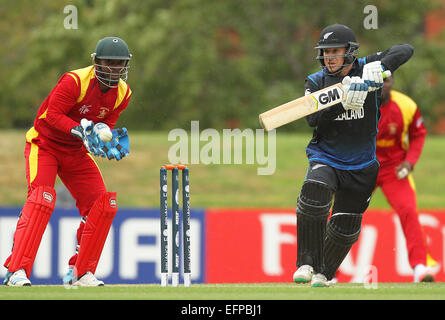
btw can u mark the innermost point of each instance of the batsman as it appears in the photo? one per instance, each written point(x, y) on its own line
point(342, 153)
point(74, 123)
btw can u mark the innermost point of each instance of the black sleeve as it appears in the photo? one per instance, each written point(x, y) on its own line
point(327, 114)
point(394, 57)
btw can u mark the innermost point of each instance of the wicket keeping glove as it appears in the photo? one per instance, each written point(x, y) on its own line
point(373, 75)
point(356, 91)
point(118, 147)
point(84, 131)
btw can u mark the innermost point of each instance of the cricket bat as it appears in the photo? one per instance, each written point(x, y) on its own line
point(304, 106)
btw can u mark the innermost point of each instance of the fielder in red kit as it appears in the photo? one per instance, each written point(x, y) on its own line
point(74, 122)
point(400, 142)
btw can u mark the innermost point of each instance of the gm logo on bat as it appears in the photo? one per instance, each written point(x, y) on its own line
point(328, 97)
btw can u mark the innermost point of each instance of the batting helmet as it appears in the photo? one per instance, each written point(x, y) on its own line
point(338, 36)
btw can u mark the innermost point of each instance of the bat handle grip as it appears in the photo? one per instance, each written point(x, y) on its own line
point(386, 74)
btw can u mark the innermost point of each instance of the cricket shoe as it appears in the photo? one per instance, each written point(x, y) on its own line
point(334, 280)
point(319, 280)
point(303, 274)
point(87, 280)
point(17, 279)
point(423, 274)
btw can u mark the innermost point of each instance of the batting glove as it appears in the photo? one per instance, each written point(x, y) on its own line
point(356, 91)
point(373, 75)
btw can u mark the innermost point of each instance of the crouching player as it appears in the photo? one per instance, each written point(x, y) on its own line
point(62, 141)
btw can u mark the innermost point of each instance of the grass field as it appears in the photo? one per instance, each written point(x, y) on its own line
point(258, 291)
point(136, 178)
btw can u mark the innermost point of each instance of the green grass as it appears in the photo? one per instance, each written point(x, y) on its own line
point(136, 178)
point(258, 291)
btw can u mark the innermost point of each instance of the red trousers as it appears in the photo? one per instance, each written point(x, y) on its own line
point(75, 168)
point(401, 195)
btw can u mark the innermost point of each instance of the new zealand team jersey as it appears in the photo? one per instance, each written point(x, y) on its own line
point(77, 95)
point(346, 139)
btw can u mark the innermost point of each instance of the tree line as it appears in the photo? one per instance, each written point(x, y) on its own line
point(219, 62)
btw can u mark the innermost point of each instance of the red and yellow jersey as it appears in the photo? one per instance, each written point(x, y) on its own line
point(77, 95)
point(401, 132)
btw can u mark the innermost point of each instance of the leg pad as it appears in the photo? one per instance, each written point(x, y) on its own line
point(32, 223)
point(94, 235)
point(342, 231)
point(313, 209)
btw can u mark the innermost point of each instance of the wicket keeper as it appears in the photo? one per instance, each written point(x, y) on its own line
point(62, 141)
point(342, 153)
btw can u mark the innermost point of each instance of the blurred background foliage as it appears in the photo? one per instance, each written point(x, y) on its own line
point(220, 62)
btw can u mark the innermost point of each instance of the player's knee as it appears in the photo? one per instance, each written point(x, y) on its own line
point(344, 227)
point(406, 211)
point(105, 204)
point(315, 199)
point(43, 196)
